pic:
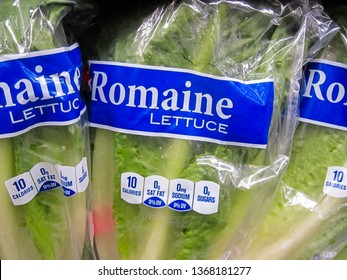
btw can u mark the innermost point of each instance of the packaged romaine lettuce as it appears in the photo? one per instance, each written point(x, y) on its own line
point(44, 141)
point(308, 216)
point(194, 105)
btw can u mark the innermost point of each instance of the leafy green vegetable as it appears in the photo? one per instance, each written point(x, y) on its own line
point(13, 243)
point(303, 220)
point(50, 226)
point(56, 224)
point(342, 255)
point(225, 38)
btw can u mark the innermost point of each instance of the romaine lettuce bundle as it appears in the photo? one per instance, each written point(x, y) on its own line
point(304, 221)
point(50, 225)
point(244, 40)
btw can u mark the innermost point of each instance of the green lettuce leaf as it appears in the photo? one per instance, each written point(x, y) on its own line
point(54, 225)
point(225, 38)
point(342, 255)
point(303, 220)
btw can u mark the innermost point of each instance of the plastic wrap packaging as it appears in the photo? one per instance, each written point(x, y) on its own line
point(342, 254)
point(44, 140)
point(308, 217)
point(335, 249)
point(195, 106)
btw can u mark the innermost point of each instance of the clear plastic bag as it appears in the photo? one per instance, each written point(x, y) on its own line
point(245, 41)
point(308, 215)
point(44, 139)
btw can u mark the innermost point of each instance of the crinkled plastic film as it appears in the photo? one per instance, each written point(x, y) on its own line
point(335, 249)
point(51, 225)
point(304, 222)
point(244, 40)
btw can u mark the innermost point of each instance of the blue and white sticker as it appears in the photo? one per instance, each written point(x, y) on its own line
point(180, 103)
point(82, 175)
point(156, 190)
point(67, 176)
point(21, 189)
point(324, 101)
point(132, 187)
point(45, 176)
point(181, 195)
point(206, 197)
point(43, 88)
point(335, 184)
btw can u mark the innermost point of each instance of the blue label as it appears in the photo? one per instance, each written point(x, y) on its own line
point(324, 101)
point(180, 205)
point(40, 88)
point(171, 102)
point(68, 192)
point(49, 185)
point(155, 202)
